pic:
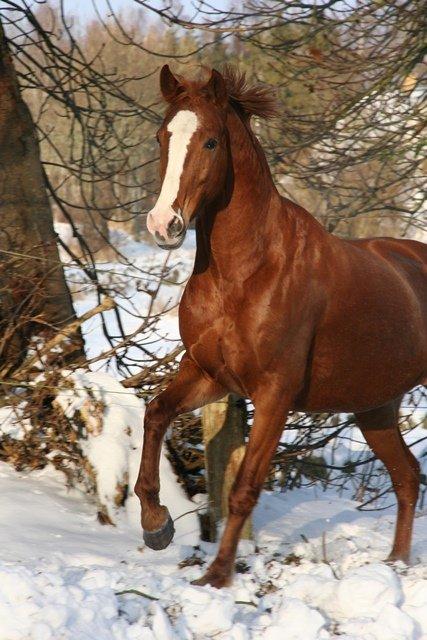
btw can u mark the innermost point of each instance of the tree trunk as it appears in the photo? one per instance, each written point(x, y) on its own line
point(223, 425)
point(34, 297)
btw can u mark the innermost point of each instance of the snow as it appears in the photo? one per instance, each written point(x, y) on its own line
point(365, 591)
point(113, 420)
point(289, 616)
point(207, 611)
point(317, 573)
point(13, 423)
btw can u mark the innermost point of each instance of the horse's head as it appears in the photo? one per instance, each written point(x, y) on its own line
point(193, 154)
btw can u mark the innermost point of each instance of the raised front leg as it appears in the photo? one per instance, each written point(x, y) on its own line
point(270, 418)
point(189, 390)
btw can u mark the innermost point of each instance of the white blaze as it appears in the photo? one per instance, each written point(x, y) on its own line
point(181, 127)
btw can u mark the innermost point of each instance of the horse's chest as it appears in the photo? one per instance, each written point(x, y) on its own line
point(215, 340)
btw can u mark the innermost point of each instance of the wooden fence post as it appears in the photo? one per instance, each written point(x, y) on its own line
point(223, 425)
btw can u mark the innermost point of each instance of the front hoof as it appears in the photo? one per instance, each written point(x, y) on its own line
point(161, 538)
point(214, 580)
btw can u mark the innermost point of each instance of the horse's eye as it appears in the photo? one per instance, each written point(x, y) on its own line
point(211, 143)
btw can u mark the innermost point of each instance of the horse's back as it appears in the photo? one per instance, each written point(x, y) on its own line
point(408, 258)
point(403, 251)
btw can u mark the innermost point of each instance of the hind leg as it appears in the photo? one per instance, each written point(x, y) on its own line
point(381, 431)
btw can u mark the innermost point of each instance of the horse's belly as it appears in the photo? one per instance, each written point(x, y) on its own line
point(344, 378)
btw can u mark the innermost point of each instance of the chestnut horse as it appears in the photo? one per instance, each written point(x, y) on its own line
point(277, 310)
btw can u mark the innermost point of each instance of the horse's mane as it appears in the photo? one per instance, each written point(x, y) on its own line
point(249, 99)
point(256, 99)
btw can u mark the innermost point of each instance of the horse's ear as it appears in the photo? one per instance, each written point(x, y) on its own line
point(169, 85)
point(217, 89)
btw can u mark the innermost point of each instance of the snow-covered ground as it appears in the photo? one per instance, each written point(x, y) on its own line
point(316, 573)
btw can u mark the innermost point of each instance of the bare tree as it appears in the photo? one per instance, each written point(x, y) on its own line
point(35, 298)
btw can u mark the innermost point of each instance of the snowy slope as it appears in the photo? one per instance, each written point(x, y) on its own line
point(60, 572)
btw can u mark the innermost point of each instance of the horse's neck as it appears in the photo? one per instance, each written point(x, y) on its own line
point(231, 236)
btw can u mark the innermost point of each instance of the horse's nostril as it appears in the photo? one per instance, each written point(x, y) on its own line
point(159, 237)
point(175, 227)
